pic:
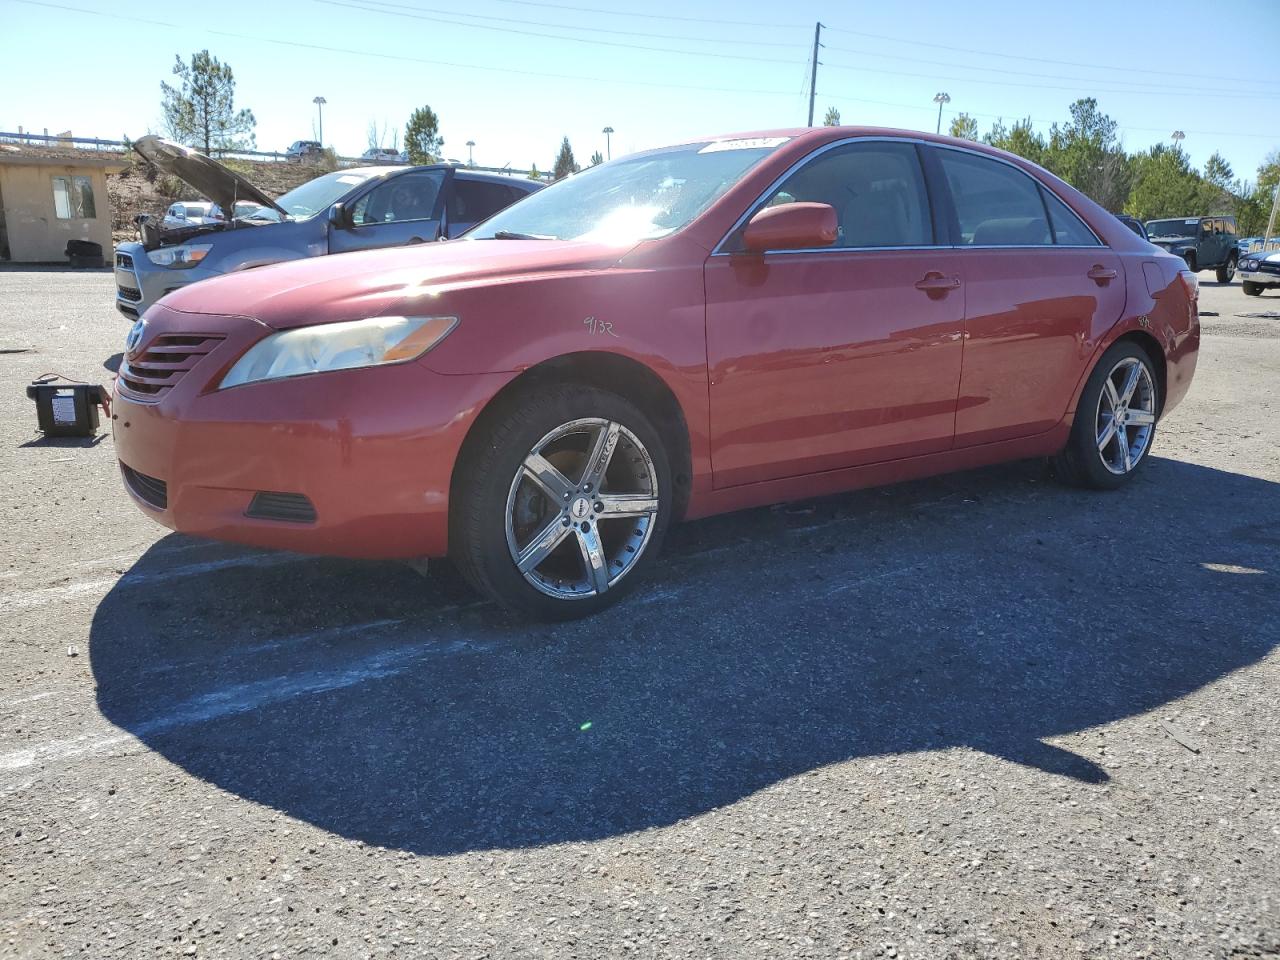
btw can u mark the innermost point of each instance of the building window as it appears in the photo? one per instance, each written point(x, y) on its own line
point(73, 198)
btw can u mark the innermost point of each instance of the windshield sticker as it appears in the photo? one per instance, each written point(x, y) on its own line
point(1192, 223)
point(747, 143)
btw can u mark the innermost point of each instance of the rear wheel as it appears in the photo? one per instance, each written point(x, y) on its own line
point(1227, 272)
point(1252, 289)
point(564, 501)
point(1115, 422)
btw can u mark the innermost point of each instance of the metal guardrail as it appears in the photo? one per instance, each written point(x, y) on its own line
point(121, 145)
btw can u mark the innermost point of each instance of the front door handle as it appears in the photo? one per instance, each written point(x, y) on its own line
point(934, 282)
point(1101, 275)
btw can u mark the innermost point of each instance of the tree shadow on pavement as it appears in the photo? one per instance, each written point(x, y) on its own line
point(988, 610)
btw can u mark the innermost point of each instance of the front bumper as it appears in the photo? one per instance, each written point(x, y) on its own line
point(1263, 277)
point(140, 283)
point(371, 451)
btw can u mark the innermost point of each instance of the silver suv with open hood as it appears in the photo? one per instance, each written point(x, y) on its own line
point(356, 209)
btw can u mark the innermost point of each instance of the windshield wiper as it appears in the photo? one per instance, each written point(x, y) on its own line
point(512, 235)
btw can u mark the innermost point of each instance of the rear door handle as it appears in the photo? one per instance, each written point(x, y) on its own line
point(1102, 274)
point(937, 283)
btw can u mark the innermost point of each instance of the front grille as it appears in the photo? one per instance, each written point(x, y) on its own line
point(124, 260)
point(1266, 266)
point(129, 293)
point(292, 507)
point(147, 489)
point(168, 358)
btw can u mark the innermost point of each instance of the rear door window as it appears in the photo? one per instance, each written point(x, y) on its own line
point(471, 201)
point(996, 204)
point(1068, 229)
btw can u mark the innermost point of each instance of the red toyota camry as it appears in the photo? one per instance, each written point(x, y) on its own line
point(719, 324)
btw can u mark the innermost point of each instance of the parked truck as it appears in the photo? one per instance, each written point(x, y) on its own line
point(1205, 243)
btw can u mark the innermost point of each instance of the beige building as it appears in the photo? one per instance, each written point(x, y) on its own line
point(49, 197)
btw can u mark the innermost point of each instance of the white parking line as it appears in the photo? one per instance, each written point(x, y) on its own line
point(854, 584)
point(25, 599)
point(240, 698)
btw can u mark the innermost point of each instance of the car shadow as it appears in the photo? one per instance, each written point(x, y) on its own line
point(988, 611)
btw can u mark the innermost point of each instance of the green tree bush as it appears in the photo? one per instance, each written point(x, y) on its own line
point(200, 111)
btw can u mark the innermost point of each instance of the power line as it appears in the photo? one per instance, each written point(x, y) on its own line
point(1014, 56)
point(397, 7)
point(1181, 75)
point(654, 16)
point(365, 6)
point(326, 48)
point(552, 36)
point(577, 78)
point(1160, 85)
point(1091, 88)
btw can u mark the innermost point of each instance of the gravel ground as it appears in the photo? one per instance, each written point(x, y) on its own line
point(977, 716)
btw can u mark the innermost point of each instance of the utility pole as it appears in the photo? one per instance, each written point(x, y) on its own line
point(608, 142)
point(320, 102)
point(940, 99)
point(813, 75)
point(1271, 223)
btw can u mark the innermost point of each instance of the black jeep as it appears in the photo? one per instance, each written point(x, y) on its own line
point(1206, 243)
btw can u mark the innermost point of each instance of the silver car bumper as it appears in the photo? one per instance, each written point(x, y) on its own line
point(140, 283)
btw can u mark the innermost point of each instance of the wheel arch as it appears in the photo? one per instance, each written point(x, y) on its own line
point(1151, 347)
point(618, 374)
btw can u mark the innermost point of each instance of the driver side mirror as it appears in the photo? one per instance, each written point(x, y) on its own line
point(340, 217)
point(791, 226)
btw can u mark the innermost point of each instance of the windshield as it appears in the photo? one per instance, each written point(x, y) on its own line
point(1172, 228)
point(318, 194)
point(635, 198)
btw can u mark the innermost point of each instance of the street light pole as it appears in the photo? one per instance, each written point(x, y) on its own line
point(1177, 137)
point(608, 142)
point(940, 99)
point(471, 159)
point(320, 102)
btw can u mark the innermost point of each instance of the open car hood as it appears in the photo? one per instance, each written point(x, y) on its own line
point(224, 187)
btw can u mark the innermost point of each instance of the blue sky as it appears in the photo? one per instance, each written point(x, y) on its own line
point(516, 75)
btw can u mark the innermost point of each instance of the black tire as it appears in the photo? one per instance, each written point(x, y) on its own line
point(1081, 463)
point(1226, 273)
point(1190, 257)
point(484, 479)
point(1252, 289)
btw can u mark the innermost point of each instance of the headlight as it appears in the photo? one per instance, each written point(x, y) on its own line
point(338, 346)
point(1249, 265)
point(179, 258)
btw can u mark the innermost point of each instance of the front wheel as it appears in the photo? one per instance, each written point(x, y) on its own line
point(562, 502)
point(1252, 289)
point(1227, 272)
point(1115, 422)
point(1190, 257)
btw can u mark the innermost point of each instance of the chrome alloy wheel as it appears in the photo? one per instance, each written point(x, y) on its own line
point(1126, 415)
point(581, 508)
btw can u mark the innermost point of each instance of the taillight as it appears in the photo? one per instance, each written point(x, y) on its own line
point(1190, 284)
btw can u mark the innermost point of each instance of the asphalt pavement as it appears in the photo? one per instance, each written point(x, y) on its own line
point(983, 715)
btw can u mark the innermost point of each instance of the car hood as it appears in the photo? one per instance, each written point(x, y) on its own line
point(371, 283)
point(224, 187)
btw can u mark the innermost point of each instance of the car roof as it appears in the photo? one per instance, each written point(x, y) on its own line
point(485, 177)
